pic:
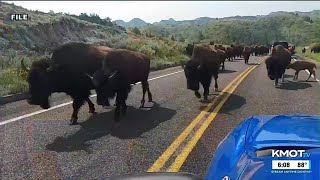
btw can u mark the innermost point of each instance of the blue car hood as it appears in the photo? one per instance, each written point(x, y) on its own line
point(236, 155)
point(283, 130)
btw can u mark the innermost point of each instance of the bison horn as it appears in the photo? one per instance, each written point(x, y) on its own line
point(199, 67)
point(23, 66)
point(113, 74)
point(94, 81)
point(90, 76)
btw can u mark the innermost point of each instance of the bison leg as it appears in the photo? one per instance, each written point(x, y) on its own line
point(222, 65)
point(206, 87)
point(198, 95)
point(145, 87)
point(118, 106)
point(215, 82)
point(314, 74)
point(144, 90)
point(276, 82)
point(76, 106)
point(295, 75)
point(123, 101)
point(121, 105)
point(282, 78)
point(117, 113)
point(149, 92)
point(311, 71)
point(91, 106)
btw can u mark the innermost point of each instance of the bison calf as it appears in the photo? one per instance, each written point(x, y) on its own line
point(303, 65)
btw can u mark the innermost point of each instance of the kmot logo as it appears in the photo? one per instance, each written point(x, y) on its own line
point(290, 153)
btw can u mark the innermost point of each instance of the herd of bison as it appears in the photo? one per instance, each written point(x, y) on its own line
point(77, 68)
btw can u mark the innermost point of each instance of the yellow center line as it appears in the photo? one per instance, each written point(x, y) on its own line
point(180, 159)
point(159, 163)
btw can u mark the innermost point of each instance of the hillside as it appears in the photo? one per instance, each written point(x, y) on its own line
point(205, 20)
point(135, 22)
point(45, 31)
point(299, 29)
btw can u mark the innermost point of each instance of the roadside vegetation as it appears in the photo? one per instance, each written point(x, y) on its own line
point(308, 54)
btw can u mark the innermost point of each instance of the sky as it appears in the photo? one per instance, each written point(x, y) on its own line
point(154, 11)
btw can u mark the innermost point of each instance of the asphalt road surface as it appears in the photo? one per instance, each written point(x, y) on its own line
point(37, 144)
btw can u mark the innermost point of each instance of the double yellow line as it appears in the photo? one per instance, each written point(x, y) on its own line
point(180, 159)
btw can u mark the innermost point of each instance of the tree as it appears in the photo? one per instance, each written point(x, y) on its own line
point(181, 39)
point(172, 38)
point(136, 31)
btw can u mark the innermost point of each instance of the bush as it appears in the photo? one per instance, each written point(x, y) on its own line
point(162, 53)
point(12, 81)
point(136, 31)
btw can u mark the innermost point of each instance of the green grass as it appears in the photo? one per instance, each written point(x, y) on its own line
point(11, 82)
point(308, 54)
point(12, 77)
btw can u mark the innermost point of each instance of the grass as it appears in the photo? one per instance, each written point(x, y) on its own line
point(12, 82)
point(308, 54)
point(12, 77)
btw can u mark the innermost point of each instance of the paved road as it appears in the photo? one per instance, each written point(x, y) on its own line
point(44, 145)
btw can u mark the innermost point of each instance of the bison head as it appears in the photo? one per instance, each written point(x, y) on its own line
point(39, 83)
point(192, 75)
point(274, 69)
point(105, 86)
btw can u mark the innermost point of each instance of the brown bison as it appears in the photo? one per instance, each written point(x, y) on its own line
point(237, 50)
point(252, 50)
point(246, 54)
point(229, 53)
point(66, 72)
point(120, 69)
point(219, 46)
point(303, 65)
point(277, 63)
point(222, 56)
point(315, 48)
point(189, 49)
point(203, 64)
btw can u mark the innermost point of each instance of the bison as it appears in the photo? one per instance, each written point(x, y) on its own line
point(203, 64)
point(246, 54)
point(66, 72)
point(229, 53)
point(222, 56)
point(303, 65)
point(277, 63)
point(315, 48)
point(189, 49)
point(120, 69)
